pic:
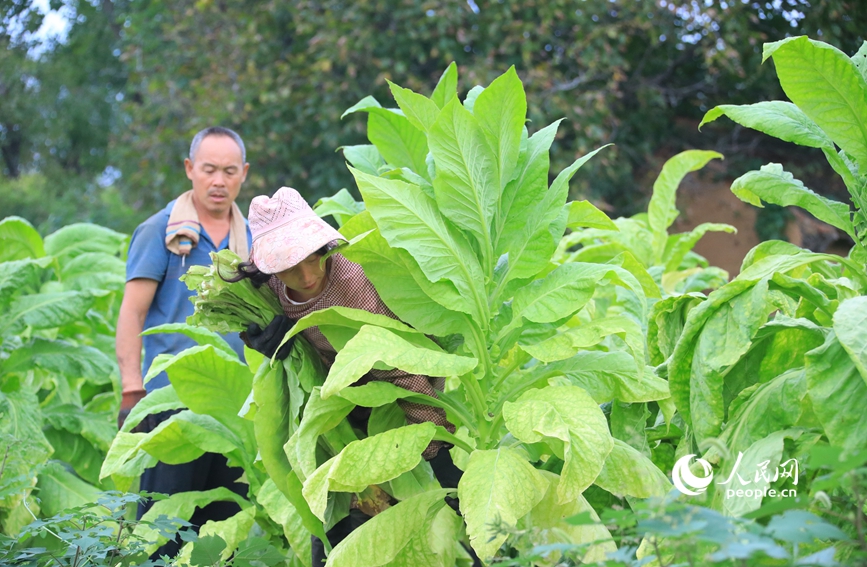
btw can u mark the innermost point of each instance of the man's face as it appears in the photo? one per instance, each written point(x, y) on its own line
point(217, 174)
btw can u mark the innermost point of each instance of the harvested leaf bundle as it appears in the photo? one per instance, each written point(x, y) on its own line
point(226, 307)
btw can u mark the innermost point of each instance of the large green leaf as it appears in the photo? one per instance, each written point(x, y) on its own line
point(627, 472)
point(124, 461)
point(665, 323)
point(778, 187)
point(50, 310)
point(19, 276)
point(365, 158)
point(94, 270)
point(447, 86)
point(776, 118)
point(570, 421)
point(80, 238)
point(661, 211)
point(763, 455)
point(60, 357)
point(21, 423)
point(320, 416)
point(79, 453)
point(340, 324)
point(210, 381)
point(466, 183)
point(718, 332)
point(628, 423)
point(58, 489)
point(403, 287)
point(271, 424)
point(373, 460)
point(524, 192)
point(501, 110)
point(419, 110)
point(529, 254)
point(19, 240)
point(784, 258)
point(342, 206)
point(399, 142)
point(530, 248)
point(566, 290)
point(284, 513)
point(201, 335)
point(159, 400)
point(399, 536)
point(377, 394)
point(232, 530)
point(409, 219)
point(549, 518)
point(498, 486)
point(24, 447)
point(608, 376)
point(837, 391)
point(849, 327)
point(760, 410)
point(375, 344)
point(568, 343)
point(181, 505)
point(583, 214)
point(828, 87)
point(97, 428)
point(187, 436)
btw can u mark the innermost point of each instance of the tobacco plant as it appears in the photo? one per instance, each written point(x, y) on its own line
point(774, 362)
point(58, 302)
point(643, 241)
point(459, 228)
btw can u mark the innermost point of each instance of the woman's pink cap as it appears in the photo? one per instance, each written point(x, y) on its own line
point(285, 231)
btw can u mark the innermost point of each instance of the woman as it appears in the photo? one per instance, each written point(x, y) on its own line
point(289, 241)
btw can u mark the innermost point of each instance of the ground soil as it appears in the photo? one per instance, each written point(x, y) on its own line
point(705, 199)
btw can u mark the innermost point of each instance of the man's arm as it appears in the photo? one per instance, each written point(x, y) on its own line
point(137, 298)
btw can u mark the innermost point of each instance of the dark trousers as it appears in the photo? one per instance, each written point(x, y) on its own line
point(211, 470)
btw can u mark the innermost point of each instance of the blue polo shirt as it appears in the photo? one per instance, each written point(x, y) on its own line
point(149, 258)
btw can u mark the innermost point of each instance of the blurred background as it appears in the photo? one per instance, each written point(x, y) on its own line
point(99, 99)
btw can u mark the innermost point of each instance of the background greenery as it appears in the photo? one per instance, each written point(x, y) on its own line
point(94, 127)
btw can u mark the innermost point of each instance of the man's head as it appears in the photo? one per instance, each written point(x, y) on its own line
point(217, 167)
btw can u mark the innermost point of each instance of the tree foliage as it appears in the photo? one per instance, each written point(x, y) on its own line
point(135, 80)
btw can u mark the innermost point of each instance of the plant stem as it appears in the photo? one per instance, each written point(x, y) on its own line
point(474, 393)
point(116, 542)
point(507, 372)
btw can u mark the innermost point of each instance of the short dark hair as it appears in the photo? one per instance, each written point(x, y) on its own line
point(217, 131)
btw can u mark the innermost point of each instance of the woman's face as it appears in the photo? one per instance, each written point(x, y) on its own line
point(306, 279)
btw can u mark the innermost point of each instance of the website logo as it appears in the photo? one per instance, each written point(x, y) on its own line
point(688, 483)
point(759, 483)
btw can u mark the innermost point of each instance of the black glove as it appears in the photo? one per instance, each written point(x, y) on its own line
point(268, 339)
point(444, 469)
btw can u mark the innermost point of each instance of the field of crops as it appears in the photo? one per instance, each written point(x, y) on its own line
point(617, 400)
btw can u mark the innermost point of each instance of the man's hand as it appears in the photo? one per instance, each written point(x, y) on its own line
point(267, 340)
point(128, 401)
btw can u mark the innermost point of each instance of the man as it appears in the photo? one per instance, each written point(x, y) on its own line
point(202, 220)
